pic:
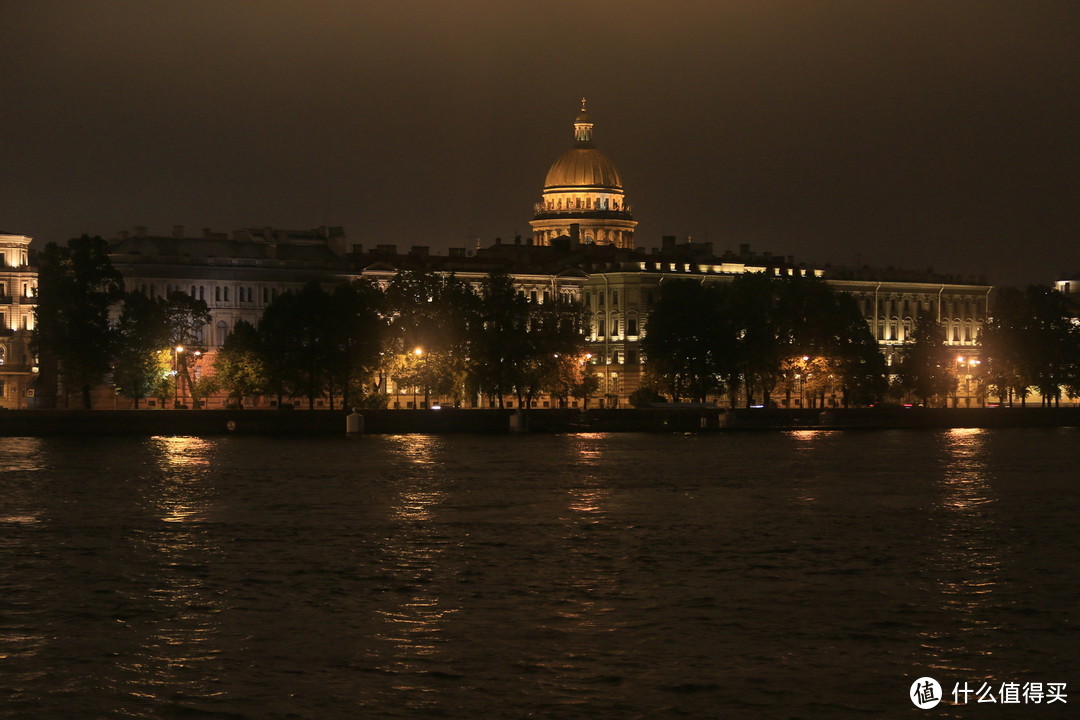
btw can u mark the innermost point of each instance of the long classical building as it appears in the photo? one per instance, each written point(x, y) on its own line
point(18, 292)
point(582, 246)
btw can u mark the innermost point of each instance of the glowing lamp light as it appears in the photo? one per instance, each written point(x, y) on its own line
point(418, 352)
point(179, 348)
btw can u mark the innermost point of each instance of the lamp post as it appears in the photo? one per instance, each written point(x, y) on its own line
point(417, 353)
point(176, 375)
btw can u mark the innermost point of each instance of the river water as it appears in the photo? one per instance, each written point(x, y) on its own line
point(776, 575)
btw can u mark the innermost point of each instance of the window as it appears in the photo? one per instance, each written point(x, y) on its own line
point(222, 332)
point(217, 294)
point(600, 299)
point(614, 298)
point(600, 327)
point(201, 293)
point(631, 326)
point(225, 293)
point(266, 295)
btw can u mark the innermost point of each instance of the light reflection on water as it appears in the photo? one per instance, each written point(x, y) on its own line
point(967, 563)
point(179, 632)
point(743, 575)
point(414, 622)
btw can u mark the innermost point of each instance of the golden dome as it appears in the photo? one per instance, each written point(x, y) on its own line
point(583, 167)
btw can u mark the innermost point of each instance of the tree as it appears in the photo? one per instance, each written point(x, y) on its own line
point(437, 315)
point(239, 365)
point(926, 364)
point(1030, 341)
point(554, 342)
point(185, 319)
point(355, 333)
point(72, 335)
point(499, 336)
point(296, 343)
point(690, 340)
point(140, 336)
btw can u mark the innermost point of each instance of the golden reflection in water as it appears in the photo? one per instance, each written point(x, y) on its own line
point(182, 631)
point(22, 454)
point(185, 463)
point(414, 622)
point(807, 445)
point(968, 561)
point(590, 567)
point(418, 449)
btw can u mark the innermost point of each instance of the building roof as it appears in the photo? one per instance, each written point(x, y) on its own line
point(583, 166)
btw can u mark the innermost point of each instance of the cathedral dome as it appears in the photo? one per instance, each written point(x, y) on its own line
point(583, 167)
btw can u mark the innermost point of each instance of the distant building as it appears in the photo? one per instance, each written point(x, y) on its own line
point(583, 196)
point(582, 246)
point(18, 293)
point(238, 275)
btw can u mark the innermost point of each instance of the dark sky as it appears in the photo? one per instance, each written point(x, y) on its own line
point(938, 133)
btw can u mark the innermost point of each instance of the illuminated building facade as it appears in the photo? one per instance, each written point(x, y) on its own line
point(623, 286)
point(583, 196)
point(18, 293)
point(582, 245)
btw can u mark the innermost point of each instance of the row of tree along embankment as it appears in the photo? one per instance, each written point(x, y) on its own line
point(702, 419)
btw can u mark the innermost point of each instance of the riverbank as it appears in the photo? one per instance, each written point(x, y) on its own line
point(322, 422)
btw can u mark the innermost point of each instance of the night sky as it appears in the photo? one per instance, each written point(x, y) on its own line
point(919, 133)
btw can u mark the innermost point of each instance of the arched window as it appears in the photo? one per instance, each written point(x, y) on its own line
point(222, 332)
point(217, 294)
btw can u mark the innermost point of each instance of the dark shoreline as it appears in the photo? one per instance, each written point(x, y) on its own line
point(41, 423)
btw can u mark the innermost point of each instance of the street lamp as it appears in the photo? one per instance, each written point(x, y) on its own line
point(418, 352)
point(176, 375)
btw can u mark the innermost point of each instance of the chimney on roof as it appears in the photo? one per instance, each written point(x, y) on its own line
point(668, 243)
point(419, 251)
point(178, 231)
point(457, 252)
point(744, 249)
point(358, 248)
point(517, 239)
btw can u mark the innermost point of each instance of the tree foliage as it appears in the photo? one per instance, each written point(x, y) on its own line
point(1031, 341)
point(762, 333)
point(72, 335)
point(926, 364)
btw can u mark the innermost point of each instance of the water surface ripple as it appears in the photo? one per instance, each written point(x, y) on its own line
point(791, 575)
